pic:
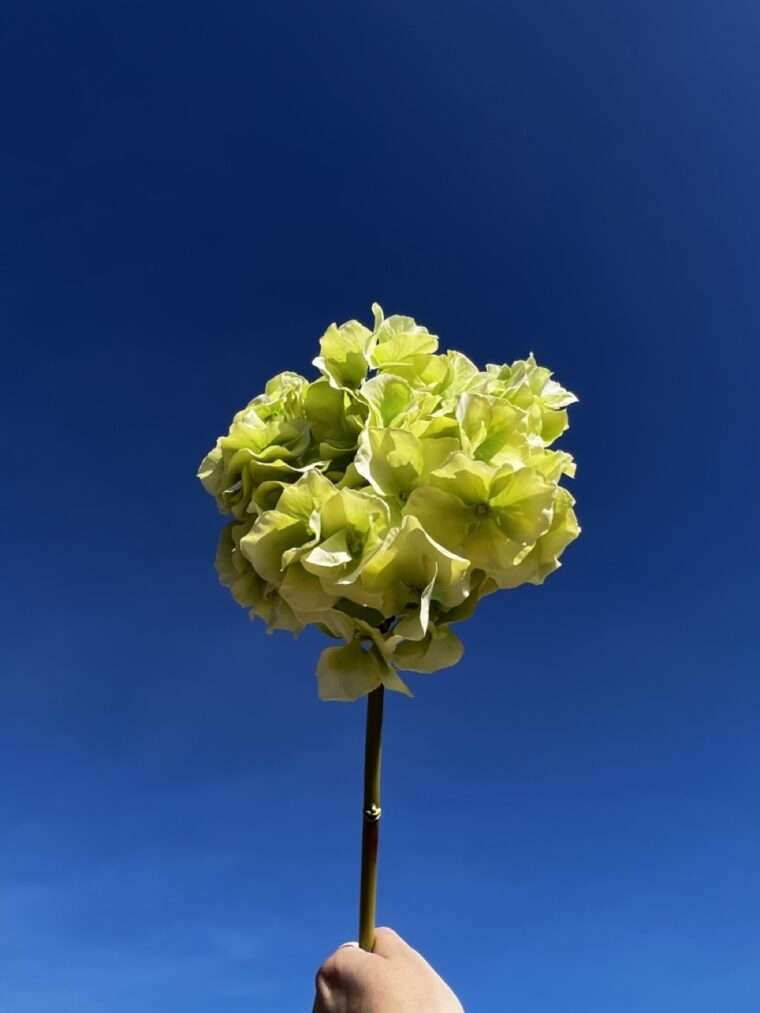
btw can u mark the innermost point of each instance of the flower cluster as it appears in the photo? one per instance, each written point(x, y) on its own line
point(382, 500)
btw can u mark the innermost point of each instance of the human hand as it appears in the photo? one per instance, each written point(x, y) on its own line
point(394, 978)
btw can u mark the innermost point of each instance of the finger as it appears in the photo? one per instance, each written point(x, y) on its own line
point(345, 951)
point(343, 963)
point(389, 944)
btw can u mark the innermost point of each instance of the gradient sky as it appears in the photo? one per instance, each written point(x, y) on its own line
point(189, 195)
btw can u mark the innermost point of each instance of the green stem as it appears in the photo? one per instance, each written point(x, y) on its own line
point(371, 824)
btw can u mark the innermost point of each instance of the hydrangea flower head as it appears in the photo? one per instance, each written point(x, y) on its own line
point(381, 501)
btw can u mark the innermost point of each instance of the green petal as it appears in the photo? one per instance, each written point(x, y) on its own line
point(344, 353)
point(564, 530)
point(442, 514)
point(441, 648)
point(271, 535)
point(389, 398)
point(356, 510)
point(282, 395)
point(415, 625)
point(303, 591)
point(489, 548)
point(331, 553)
point(348, 672)
point(304, 497)
point(438, 427)
point(552, 464)
point(423, 372)
point(393, 681)
point(543, 558)
point(397, 339)
point(468, 479)
point(335, 415)
point(247, 587)
point(254, 490)
point(523, 504)
point(528, 386)
point(266, 442)
point(407, 562)
point(277, 614)
point(437, 452)
point(234, 570)
point(460, 375)
point(391, 460)
point(352, 479)
point(492, 430)
point(333, 622)
point(478, 583)
point(553, 425)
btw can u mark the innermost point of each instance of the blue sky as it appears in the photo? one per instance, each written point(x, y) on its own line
point(189, 195)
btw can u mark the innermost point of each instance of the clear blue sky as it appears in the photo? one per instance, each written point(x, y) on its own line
point(189, 194)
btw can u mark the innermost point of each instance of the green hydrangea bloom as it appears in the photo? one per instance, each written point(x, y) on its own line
point(380, 501)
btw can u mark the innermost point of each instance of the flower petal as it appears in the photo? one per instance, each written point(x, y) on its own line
point(348, 672)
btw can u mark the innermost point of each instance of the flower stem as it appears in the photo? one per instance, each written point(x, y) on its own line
point(371, 819)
